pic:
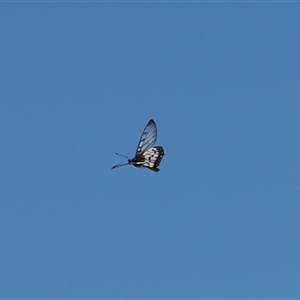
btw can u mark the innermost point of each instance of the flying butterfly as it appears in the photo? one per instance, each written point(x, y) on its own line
point(146, 156)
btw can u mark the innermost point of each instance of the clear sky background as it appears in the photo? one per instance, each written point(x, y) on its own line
point(79, 82)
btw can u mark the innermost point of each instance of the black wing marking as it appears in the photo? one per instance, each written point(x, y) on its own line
point(148, 138)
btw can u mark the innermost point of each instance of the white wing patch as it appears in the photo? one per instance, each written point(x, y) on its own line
point(151, 154)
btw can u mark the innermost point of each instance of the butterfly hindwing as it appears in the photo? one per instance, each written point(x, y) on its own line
point(150, 158)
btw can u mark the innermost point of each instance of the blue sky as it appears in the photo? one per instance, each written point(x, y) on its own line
point(79, 82)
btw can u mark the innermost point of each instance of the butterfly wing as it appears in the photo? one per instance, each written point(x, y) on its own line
point(118, 166)
point(150, 158)
point(148, 138)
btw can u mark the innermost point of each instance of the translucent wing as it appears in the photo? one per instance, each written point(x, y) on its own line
point(148, 137)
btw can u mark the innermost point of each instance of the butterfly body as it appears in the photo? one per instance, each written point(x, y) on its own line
point(147, 156)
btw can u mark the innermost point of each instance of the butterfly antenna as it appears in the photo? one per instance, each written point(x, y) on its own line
point(122, 155)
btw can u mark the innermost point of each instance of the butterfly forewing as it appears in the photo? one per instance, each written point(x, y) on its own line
point(148, 137)
point(118, 166)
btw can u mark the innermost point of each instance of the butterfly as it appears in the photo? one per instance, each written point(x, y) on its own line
point(146, 156)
